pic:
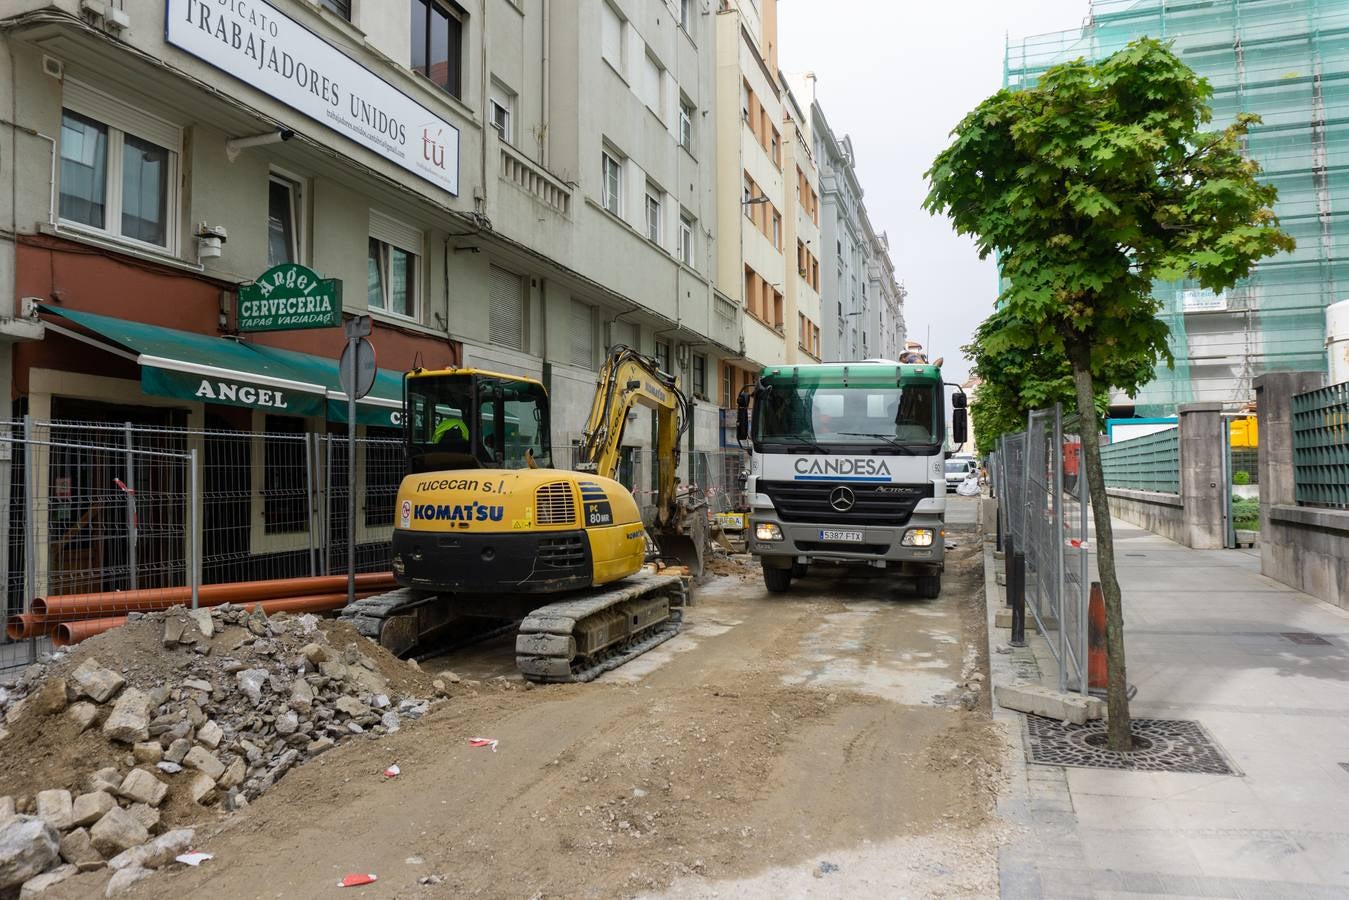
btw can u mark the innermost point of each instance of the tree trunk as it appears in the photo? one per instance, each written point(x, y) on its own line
point(1117, 696)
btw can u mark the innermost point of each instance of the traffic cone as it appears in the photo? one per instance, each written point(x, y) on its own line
point(1097, 672)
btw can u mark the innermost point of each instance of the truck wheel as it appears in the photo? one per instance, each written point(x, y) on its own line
point(929, 586)
point(778, 581)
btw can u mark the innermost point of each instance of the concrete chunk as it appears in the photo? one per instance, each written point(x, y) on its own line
point(140, 786)
point(205, 762)
point(123, 879)
point(1041, 701)
point(201, 788)
point(34, 886)
point(147, 815)
point(78, 850)
point(89, 808)
point(91, 679)
point(210, 734)
point(202, 618)
point(55, 808)
point(147, 752)
point(82, 714)
point(117, 831)
point(28, 846)
point(129, 721)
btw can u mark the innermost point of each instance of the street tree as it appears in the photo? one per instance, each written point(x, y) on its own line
point(1089, 186)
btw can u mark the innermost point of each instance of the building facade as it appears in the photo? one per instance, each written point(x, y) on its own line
point(862, 303)
point(496, 184)
point(1285, 62)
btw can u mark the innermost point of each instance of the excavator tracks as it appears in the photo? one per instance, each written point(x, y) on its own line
point(573, 640)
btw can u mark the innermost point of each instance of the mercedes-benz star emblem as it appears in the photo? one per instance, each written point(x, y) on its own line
point(842, 499)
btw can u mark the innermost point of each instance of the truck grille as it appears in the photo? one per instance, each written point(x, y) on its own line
point(565, 552)
point(554, 504)
point(808, 501)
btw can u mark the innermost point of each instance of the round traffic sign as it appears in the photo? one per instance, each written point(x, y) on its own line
point(365, 368)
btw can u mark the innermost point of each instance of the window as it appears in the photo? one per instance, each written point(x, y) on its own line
point(777, 230)
point(653, 214)
point(501, 111)
point(582, 334)
point(506, 309)
point(283, 244)
point(393, 266)
point(649, 86)
point(611, 36)
point(438, 43)
point(283, 476)
point(684, 14)
point(699, 376)
point(777, 311)
point(775, 147)
point(613, 185)
point(663, 355)
point(118, 169)
point(340, 7)
point(686, 239)
point(751, 291)
point(686, 124)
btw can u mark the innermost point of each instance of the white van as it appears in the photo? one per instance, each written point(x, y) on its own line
point(956, 472)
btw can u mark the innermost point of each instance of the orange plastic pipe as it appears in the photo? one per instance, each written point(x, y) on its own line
point(83, 606)
point(66, 633)
point(24, 626)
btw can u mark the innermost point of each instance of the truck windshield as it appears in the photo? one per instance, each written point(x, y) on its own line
point(826, 415)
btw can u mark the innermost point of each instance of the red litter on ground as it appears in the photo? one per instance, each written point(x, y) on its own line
point(392, 772)
point(483, 742)
point(357, 880)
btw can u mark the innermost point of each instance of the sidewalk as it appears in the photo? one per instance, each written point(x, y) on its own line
point(1208, 640)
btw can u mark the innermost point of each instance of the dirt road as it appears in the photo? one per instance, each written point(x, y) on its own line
point(807, 744)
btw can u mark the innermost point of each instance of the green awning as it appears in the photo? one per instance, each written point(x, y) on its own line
point(190, 366)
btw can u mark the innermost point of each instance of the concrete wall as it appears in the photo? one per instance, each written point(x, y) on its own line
point(1304, 547)
point(1162, 514)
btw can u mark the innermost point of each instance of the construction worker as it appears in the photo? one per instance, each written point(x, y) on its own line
point(452, 429)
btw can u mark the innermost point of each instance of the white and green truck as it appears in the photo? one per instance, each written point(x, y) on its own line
point(847, 466)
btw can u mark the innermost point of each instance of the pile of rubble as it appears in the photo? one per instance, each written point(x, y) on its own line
point(186, 709)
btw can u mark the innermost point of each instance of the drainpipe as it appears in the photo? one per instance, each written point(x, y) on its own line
point(547, 80)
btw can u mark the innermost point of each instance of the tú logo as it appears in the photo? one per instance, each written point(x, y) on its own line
point(433, 148)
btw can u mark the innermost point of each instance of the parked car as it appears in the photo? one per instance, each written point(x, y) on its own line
point(956, 472)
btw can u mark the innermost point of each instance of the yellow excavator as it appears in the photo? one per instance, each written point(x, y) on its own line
point(485, 527)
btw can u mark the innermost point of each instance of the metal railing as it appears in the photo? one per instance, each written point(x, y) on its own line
point(1044, 510)
point(1147, 463)
point(1321, 446)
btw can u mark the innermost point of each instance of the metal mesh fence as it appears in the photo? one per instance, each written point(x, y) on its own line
point(1147, 463)
point(1044, 511)
point(1321, 446)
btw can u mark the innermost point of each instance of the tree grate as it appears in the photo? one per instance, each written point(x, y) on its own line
point(1305, 637)
point(1165, 745)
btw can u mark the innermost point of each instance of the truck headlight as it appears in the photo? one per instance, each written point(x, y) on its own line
point(767, 531)
point(917, 537)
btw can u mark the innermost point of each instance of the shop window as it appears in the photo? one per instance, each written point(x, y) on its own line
point(393, 266)
point(283, 220)
point(284, 508)
point(118, 170)
point(438, 43)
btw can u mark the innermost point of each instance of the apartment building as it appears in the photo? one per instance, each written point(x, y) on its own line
point(498, 183)
point(862, 302)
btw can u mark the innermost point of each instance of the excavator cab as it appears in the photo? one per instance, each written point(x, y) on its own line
point(472, 419)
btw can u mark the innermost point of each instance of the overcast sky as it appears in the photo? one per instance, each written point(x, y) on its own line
point(898, 75)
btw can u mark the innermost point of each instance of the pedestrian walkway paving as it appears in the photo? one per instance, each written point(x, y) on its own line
point(1265, 669)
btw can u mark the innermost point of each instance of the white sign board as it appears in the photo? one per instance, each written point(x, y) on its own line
point(1202, 300)
point(267, 49)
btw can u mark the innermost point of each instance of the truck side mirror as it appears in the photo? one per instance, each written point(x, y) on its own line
point(960, 431)
point(742, 416)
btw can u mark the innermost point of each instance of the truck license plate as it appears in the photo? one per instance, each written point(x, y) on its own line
point(854, 537)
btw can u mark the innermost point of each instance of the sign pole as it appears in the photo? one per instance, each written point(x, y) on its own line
point(352, 340)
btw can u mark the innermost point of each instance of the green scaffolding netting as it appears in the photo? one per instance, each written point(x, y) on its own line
point(1288, 61)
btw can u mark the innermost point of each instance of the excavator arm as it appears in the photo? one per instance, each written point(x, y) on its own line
point(628, 379)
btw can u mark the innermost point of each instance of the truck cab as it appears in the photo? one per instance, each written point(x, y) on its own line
point(848, 467)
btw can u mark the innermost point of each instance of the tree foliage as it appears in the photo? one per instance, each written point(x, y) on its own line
point(1089, 186)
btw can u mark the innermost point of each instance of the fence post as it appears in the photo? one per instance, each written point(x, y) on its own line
point(1017, 594)
point(1057, 522)
point(194, 528)
point(1201, 471)
point(309, 500)
point(130, 492)
point(29, 526)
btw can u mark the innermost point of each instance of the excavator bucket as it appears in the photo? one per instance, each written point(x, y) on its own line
point(687, 544)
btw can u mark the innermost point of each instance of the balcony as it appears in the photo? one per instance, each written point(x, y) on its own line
point(534, 180)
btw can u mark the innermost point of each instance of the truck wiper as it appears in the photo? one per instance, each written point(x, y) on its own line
point(892, 441)
point(806, 448)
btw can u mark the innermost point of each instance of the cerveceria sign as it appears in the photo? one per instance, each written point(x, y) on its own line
point(290, 296)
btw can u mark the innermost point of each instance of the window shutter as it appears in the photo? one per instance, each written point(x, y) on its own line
point(506, 310)
point(391, 231)
point(582, 334)
point(97, 105)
